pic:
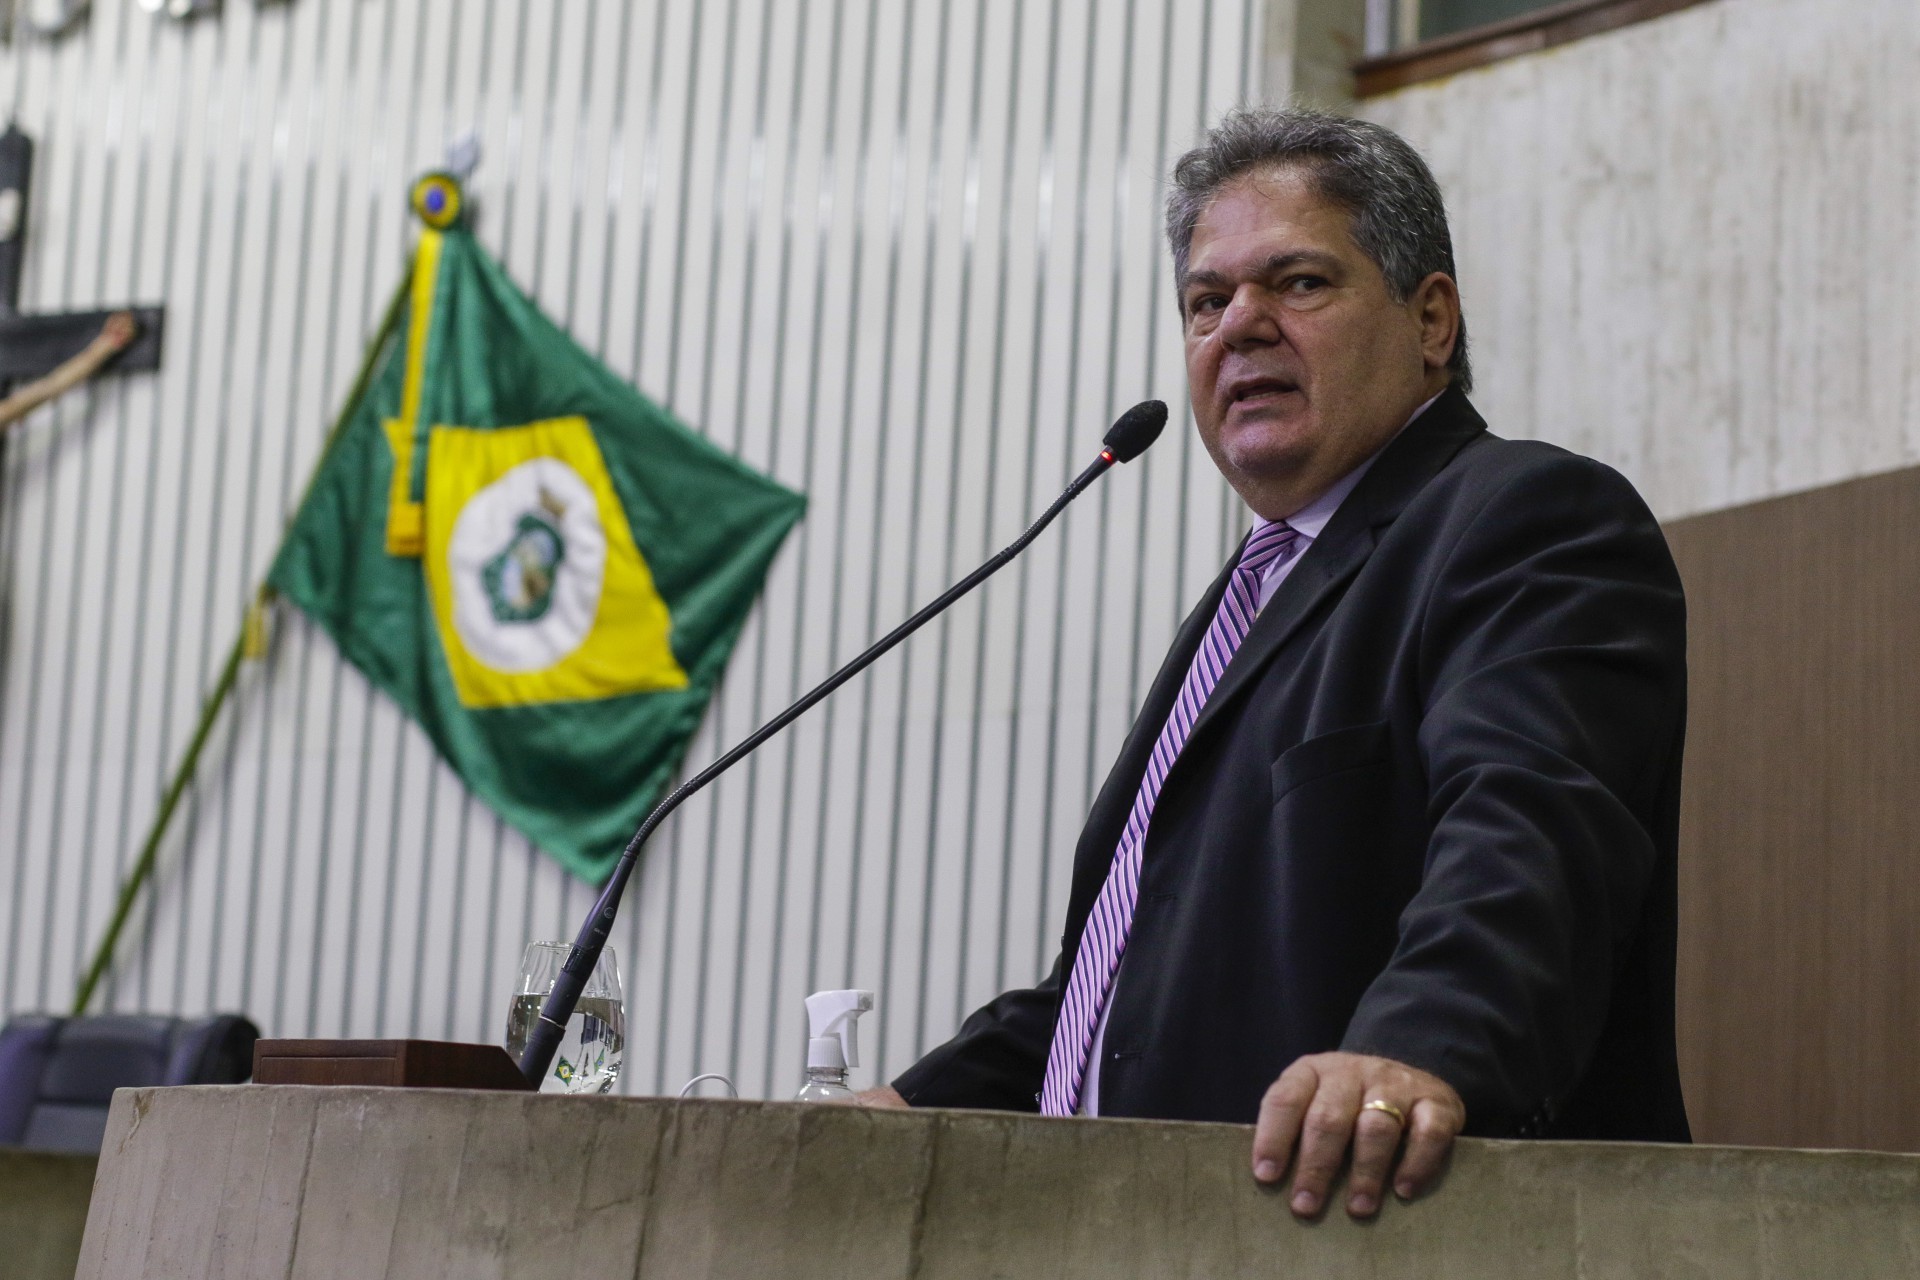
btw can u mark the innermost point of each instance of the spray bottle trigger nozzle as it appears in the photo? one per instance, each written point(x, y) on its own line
point(832, 1029)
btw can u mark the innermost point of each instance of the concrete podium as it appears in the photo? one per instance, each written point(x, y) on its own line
point(293, 1181)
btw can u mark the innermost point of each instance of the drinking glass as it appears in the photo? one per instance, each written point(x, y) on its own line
point(588, 1060)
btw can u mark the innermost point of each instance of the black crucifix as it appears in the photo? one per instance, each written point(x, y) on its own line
point(32, 347)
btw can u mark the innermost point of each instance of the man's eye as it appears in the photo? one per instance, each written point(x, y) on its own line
point(1207, 302)
point(1305, 284)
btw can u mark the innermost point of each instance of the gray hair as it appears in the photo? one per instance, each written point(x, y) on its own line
point(1399, 220)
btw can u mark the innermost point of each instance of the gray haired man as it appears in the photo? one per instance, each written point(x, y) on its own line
point(1389, 854)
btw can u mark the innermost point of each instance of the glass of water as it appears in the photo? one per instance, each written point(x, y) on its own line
point(589, 1056)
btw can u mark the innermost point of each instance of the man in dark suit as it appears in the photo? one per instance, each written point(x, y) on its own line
point(1389, 854)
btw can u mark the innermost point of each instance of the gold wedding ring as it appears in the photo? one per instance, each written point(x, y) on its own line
point(1381, 1104)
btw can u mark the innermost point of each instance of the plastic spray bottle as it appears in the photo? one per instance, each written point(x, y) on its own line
point(833, 1046)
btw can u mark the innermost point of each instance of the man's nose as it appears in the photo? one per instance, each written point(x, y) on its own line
point(1249, 319)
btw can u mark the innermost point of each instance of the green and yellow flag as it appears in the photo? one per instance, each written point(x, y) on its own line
point(543, 567)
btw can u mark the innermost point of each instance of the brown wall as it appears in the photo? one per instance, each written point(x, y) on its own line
point(1799, 977)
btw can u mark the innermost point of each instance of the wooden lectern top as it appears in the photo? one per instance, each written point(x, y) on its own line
point(415, 1064)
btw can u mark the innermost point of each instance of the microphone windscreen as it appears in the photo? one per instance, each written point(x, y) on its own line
point(1137, 428)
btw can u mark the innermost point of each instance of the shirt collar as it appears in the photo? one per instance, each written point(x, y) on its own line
point(1311, 519)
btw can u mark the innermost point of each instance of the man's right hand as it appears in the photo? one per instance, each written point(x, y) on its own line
point(883, 1096)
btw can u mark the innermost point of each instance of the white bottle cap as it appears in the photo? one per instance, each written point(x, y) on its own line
point(831, 1020)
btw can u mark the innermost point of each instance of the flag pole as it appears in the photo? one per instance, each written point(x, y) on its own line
point(250, 643)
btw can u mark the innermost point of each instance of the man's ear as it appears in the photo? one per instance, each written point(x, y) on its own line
point(1436, 307)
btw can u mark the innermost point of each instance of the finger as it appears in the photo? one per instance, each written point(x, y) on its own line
point(1281, 1112)
point(1323, 1140)
point(1376, 1139)
point(1431, 1129)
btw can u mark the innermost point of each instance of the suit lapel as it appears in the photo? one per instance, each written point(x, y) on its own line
point(1345, 544)
point(1111, 806)
point(1335, 557)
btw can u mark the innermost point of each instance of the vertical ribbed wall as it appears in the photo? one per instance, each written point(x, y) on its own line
point(902, 256)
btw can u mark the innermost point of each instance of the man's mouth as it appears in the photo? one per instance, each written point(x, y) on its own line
point(1256, 391)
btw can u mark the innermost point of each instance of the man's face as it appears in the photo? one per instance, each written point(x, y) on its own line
point(1299, 361)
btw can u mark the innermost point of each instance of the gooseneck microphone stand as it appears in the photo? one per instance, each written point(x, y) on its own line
point(1137, 428)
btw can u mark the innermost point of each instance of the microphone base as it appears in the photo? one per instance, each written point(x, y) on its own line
point(407, 1064)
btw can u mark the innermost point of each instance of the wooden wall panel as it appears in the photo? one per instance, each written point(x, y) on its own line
point(1800, 890)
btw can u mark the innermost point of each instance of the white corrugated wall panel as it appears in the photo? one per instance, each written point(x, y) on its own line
point(902, 256)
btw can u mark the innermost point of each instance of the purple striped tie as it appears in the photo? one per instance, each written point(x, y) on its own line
point(1106, 929)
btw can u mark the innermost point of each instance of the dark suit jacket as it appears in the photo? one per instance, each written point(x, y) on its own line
point(1428, 813)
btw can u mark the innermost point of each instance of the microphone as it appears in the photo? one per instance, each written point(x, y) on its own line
point(1126, 440)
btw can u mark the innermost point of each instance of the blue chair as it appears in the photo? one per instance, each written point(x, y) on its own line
point(57, 1075)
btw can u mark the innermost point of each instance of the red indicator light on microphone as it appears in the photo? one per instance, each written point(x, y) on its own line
point(1107, 454)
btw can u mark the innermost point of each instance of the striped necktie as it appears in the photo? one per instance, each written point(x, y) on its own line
point(1105, 936)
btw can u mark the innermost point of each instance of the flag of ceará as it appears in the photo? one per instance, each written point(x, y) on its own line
point(540, 565)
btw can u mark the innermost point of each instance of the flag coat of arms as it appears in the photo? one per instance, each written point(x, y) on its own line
point(542, 567)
